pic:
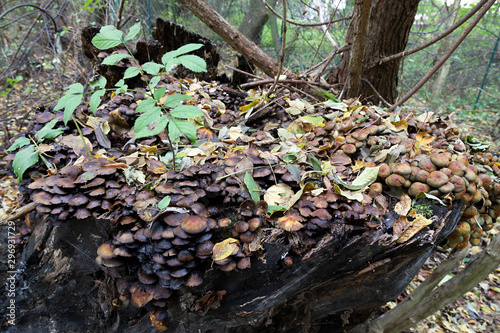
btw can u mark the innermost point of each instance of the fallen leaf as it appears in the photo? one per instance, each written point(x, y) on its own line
point(404, 205)
point(224, 249)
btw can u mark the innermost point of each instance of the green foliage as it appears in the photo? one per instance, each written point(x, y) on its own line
point(252, 187)
point(70, 101)
point(164, 203)
point(10, 84)
point(24, 159)
point(29, 156)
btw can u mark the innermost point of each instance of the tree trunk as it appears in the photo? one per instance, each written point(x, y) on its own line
point(232, 36)
point(388, 30)
point(445, 45)
point(254, 20)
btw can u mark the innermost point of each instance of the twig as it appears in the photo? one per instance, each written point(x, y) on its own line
point(20, 212)
point(434, 40)
point(301, 24)
point(282, 59)
point(241, 71)
point(376, 92)
point(119, 15)
point(445, 56)
point(326, 33)
point(267, 81)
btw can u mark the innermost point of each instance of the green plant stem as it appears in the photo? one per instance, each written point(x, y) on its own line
point(81, 136)
point(171, 146)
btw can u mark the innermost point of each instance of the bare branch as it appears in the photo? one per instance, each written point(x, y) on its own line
point(302, 24)
point(445, 57)
point(435, 39)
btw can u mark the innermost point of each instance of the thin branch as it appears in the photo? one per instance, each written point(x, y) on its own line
point(20, 212)
point(445, 57)
point(119, 16)
point(295, 82)
point(376, 92)
point(282, 59)
point(302, 24)
point(435, 39)
point(43, 10)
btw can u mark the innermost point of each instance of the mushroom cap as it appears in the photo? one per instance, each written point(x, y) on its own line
point(194, 224)
point(289, 223)
point(437, 179)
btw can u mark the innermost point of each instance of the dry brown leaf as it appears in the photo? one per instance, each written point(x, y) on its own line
point(403, 206)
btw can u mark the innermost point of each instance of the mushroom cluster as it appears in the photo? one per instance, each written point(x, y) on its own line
point(213, 219)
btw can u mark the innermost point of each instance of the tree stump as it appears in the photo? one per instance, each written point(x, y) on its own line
point(334, 286)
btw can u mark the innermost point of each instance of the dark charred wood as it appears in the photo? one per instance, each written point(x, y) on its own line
point(172, 36)
point(332, 287)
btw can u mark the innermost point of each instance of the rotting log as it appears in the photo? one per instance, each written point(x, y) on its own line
point(336, 285)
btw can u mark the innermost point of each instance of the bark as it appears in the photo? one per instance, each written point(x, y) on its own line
point(254, 21)
point(360, 19)
point(232, 36)
point(445, 45)
point(389, 27)
point(340, 282)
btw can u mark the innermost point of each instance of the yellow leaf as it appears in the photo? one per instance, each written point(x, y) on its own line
point(358, 165)
point(396, 126)
point(404, 206)
point(224, 249)
point(278, 195)
point(400, 226)
point(418, 224)
point(245, 108)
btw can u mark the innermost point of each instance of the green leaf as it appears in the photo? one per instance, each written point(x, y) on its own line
point(252, 187)
point(154, 128)
point(315, 163)
point(47, 131)
point(19, 143)
point(366, 178)
point(95, 99)
point(107, 38)
point(186, 112)
point(131, 72)
point(328, 95)
point(159, 93)
point(274, 208)
point(147, 118)
point(179, 126)
point(422, 195)
point(354, 195)
point(193, 63)
point(24, 159)
point(164, 202)
point(98, 81)
point(181, 50)
point(133, 32)
point(154, 81)
point(152, 68)
point(145, 105)
point(175, 100)
point(70, 101)
point(120, 83)
point(114, 59)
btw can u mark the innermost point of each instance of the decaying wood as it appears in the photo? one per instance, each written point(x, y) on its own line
point(341, 281)
point(232, 36)
point(20, 212)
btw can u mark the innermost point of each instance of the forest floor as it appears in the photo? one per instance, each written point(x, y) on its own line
point(477, 311)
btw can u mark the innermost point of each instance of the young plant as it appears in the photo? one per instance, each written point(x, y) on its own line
point(157, 113)
point(30, 155)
